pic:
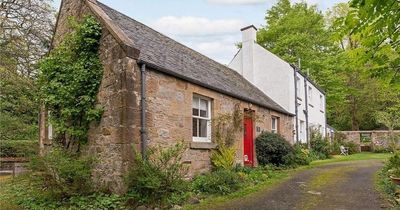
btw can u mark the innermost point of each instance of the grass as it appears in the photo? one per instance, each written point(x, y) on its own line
point(354, 157)
point(277, 177)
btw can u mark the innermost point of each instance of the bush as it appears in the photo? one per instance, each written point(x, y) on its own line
point(301, 155)
point(273, 149)
point(223, 157)
point(217, 182)
point(391, 168)
point(100, 201)
point(18, 148)
point(158, 180)
point(319, 146)
point(64, 174)
point(252, 175)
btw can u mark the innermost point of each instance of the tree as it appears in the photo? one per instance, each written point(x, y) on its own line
point(377, 22)
point(26, 28)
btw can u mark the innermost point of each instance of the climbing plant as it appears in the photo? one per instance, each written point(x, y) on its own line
point(225, 130)
point(69, 81)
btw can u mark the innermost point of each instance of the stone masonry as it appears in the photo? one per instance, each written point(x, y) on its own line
point(116, 138)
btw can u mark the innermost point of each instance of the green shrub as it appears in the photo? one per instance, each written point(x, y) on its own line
point(319, 146)
point(220, 182)
point(273, 149)
point(252, 175)
point(158, 180)
point(16, 128)
point(64, 174)
point(223, 157)
point(18, 148)
point(301, 155)
point(391, 168)
point(100, 201)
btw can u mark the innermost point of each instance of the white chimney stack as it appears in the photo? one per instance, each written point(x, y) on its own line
point(249, 35)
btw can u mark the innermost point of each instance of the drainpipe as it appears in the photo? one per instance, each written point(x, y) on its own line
point(295, 103)
point(143, 131)
point(306, 111)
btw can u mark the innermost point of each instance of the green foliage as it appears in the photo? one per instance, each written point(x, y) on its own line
point(18, 106)
point(226, 128)
point(340, 140)
point(64, 174)
point(159, 180)
point(252, 176)
point(301, 155)
point(273, 149)
point(391, 168)
point(223, 157)
point(319, 145)
point(69, 81)
point(18, 148)
point(220, 182)
point(100, 201)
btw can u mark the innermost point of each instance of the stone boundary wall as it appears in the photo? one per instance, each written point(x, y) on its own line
point(379, 139)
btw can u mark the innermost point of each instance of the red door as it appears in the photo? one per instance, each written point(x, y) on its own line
point(248, 150)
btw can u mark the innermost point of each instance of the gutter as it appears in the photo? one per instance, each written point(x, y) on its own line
point(295, 103)
point(306, 112)
point(143, 129)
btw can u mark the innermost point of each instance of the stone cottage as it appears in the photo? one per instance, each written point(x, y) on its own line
point(156, 91)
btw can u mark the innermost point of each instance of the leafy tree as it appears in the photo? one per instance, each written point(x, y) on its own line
point(26, 28)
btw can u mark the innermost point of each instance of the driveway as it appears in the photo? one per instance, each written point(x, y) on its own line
point(344, 185)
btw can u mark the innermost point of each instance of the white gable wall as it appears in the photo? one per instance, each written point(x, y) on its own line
point(275, 77)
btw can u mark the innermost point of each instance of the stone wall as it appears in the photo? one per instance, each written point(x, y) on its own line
point(379, 138)
point(114, 140)
point(169, 117)
point(111, 140)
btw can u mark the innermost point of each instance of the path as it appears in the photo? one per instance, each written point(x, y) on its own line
point(345, 185)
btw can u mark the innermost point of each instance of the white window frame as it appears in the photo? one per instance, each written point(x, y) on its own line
point(310, 94)
point(321, 102)
point(208, 119)
point(274, 120)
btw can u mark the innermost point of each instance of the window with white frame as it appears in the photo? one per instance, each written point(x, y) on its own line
point(301, 130)
point(310, 93)
point(274, 124)
point(201, 112)
point(321, 102)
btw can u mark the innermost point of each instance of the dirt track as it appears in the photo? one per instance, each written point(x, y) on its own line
point(345, 185)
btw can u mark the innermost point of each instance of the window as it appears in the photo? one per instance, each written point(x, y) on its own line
point(310, 94)
point(301, 130)
point(274, 124)
point(321, 102)
point(298, 87)
point(201, 112)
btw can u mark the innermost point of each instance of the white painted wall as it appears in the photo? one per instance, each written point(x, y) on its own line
point(275, 77)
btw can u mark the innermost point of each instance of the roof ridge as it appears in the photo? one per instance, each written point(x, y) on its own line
point(98, 2)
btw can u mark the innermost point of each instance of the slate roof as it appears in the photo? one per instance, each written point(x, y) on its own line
point(162, 53)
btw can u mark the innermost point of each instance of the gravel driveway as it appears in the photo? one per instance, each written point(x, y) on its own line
point(344, 185)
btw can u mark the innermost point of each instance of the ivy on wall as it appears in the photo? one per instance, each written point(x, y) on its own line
point(69, 81)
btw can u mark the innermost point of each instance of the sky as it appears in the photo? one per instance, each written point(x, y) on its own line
point(211, 27)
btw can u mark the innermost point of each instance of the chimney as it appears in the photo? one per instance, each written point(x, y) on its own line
point(249, 34)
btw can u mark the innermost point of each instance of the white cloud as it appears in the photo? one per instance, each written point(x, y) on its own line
point(238, 2)
point(197, 26)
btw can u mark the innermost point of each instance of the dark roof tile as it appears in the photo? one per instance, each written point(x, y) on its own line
point(166, 54)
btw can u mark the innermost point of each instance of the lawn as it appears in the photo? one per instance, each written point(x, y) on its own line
point(277, 177)
point(354, 157)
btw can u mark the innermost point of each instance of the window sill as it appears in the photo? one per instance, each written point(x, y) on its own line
point(311, 105)
point(202, 145)
point(298, 98)
point(321, 111)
